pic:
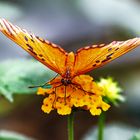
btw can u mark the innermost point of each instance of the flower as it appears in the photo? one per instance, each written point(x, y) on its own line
point(83, 93)
point(111, 90)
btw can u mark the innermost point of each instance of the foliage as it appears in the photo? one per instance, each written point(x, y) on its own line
point(136, 136)
point(111, 90)
point(17, 75)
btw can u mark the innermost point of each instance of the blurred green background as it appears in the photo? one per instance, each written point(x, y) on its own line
point(72, 24)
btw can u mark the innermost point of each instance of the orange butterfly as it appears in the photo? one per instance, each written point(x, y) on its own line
point(68, 65)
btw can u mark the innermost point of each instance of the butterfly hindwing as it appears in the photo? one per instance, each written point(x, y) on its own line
point(44, 51)
point(89, 58)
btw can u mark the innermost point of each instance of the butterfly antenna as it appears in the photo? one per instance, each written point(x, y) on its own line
point(53, 78)
point(79, 87)
point(34, 86)
point(73, 87)
point(44, 84)
point(39, 85)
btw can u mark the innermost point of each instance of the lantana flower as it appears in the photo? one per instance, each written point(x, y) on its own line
point(111, 90)
point(84, 93)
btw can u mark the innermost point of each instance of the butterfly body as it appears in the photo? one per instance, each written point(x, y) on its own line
point(66, 82)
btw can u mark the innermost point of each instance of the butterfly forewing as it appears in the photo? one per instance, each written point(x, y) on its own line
point(89, 58)
point(53, 56)
point(48, 53)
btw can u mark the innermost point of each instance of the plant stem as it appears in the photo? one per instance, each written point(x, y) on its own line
point(71, 126)
point(101, 122)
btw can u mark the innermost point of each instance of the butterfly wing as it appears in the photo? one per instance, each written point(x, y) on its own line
point(44, 51)
point(89, 58)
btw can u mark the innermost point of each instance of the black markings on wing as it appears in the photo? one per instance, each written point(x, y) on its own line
point(117, 49)
point(109, 49)
point(110, 54)
point(30, 48)
point(97, 61)
point(26, 39)
point(40, 55)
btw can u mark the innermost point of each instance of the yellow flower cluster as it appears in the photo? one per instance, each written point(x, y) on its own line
point(82, 93)
point(111, 90)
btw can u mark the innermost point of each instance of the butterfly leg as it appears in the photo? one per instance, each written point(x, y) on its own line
point(55, 98)
point(65, 95)
point(45, 84)
point(53, 104)
point(52, 79)
point(79, 87)
point(73, 87)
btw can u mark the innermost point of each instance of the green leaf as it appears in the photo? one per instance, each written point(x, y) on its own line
point(17, 75)
point(8, 135)
point(136, 136)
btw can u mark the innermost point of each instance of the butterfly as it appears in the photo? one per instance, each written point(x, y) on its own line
point(67, 65)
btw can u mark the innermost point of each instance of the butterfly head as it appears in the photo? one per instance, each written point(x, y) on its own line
point(66, 82)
